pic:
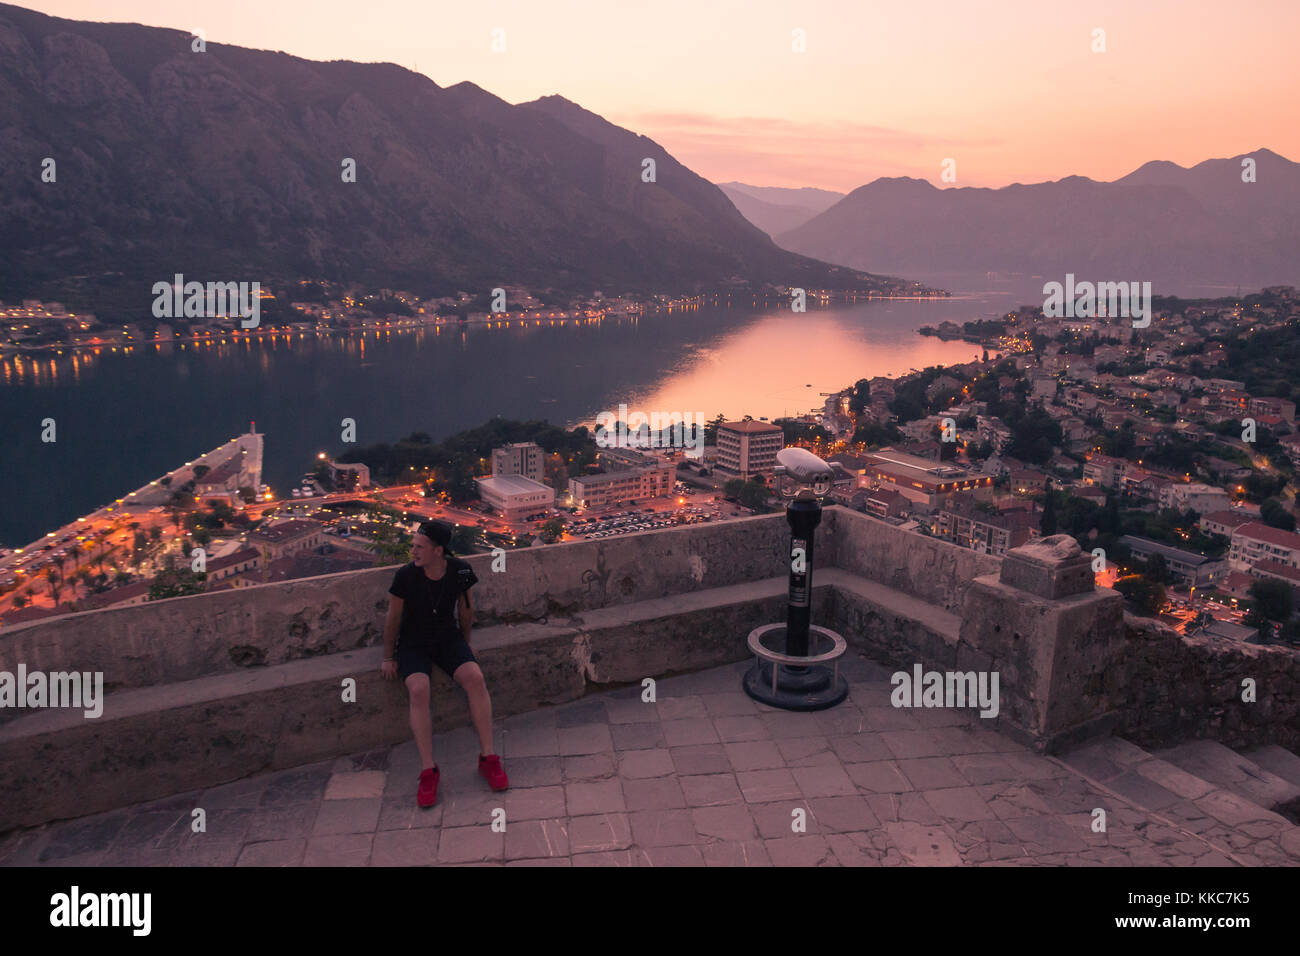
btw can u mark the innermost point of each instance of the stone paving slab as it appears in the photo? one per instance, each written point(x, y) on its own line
point(702, 776)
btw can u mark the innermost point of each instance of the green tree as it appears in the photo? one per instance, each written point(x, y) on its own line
point(1274, 514)
point(1047, 523)
point(391, 544)
point(1144, 595)
point(1157, 569)
point(552, 530)
point(173, 581)
point(754, 494)
point(860, 396)
point(467, 538)
point(1273, 598)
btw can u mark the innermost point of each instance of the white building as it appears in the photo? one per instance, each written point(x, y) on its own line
point(1255, 542)
point(514, 496)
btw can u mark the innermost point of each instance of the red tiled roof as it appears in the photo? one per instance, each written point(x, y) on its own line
point(1262, 532)
point(1234, 518)
point(1279, 569)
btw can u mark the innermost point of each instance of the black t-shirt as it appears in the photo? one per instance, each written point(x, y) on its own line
point(429, 607)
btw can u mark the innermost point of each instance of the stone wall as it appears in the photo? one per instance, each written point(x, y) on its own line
point(192, 637)
point(937, 571)
point(206, 689)
point(1176, 688)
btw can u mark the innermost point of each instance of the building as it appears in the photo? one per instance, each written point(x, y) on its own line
point(1236, 632)
point(1280, 407)
point(1104, 471)
point(922, 482)
point(886, 504)
point(220, 484)
point(128, 595)
point(233, 567)
point(1188, 566)
point(986, 532)
point(351, 477)
point(1278, 572)
point(748, 449)
point(1224, 522)
point(1256, 541)
point(514, 496)
point(286, 538)
point(630, 476)
point(521, 458)
point(1198, 497)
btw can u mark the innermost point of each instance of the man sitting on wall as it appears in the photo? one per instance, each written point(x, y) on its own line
point(429, 619)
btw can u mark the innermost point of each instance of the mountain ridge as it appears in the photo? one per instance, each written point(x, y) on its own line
point(227, 164)
point(1167, 222)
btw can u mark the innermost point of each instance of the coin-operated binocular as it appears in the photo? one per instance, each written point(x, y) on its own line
point(800, 473)
point(789, 672)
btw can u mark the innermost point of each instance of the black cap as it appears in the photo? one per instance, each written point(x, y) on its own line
point(439, 533)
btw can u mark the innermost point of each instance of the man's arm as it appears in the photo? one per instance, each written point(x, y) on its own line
point(466, 615)
point(392, 625)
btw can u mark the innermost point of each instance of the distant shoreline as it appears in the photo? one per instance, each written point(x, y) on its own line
point(402, 324)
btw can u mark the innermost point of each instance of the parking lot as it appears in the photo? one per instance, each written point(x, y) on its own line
point(626, 522)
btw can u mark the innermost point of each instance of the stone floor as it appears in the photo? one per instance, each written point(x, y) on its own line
point(704, 776)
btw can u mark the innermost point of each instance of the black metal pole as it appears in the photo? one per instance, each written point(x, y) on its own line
point(803, 514)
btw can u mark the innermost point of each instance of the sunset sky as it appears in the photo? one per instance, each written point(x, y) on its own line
point(1009, 89)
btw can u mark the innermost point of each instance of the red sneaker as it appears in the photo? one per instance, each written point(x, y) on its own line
point(490, 768)
point(427, 795)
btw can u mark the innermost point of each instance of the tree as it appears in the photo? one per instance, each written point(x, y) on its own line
point(1274, 514)
point(391, 544)
point(466, 539)
point(1157, 569)
point(552, 530)
point(54, 579)
point(860, 396)
point(1144, 595)
point(1273, 598)
point(733, 488)
point(1047, 524)
point(711, 428)
point(172, 581)
point(754, 494)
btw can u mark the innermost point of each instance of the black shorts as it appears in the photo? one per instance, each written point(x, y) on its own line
point(449, 652)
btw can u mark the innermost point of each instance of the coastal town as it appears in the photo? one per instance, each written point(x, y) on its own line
point(1169, 452)
point(36, 327)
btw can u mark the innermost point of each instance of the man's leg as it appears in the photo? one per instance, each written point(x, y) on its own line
point(417, 686)
point(470, 677)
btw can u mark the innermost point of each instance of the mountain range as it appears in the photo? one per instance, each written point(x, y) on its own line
point(776, 209)
point(228, 164)
point(1162, 222)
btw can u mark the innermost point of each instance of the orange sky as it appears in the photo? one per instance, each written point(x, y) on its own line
point(1009, 89)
